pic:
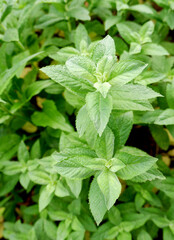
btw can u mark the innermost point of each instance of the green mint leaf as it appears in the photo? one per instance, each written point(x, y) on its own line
point(105, 47)
point(150, 175)
point(129, 31)
point(39, 177)
point(51, 117)
point(160, 136)
point(99, 109)
point(170, 95)
point(81, 34)
point(109, 186)
point(136, 162)
point(46, 195)
point(61, 75)
point(103, 88)
point(23, 155)
point(82, 121)
point(121, 125)
point(166, 117)
point(154, 49)
point(105, 144)
point(125, 71)
point(96, 202)
point(82, 67)
point(79, 13)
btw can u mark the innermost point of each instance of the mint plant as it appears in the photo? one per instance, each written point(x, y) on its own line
point(86, 120)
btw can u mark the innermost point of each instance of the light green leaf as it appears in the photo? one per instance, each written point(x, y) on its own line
point(11, 34)
point(105, 47)
point(24, 180)
point(46, 195)
point(150, 175)
point(61, 190)
point(82, 67)
point(35, 150)
point(96, 202)
point(79, 13)
point(64, 54)
point(143, 235)
point(81, 34)
point(7, 75)
point(61, 75)
point(129, 31)
point(36, 87)
point(154, 49)
point(142, 8)
point(109, 186)
point(105, 144)
point(103, 68)
point(160, 136)
point(75, 186)
point(103, 88)
point(134, 48)
point(82, 121)
point(132, 97)
point(114, 165)
point(51, 117)
point(124, 236)
point(136, 162)
point(111, 21)
point(12, 167)
point(121, 125)
point(169, 17)
point(125, 71)
point(147, 30)
point(50, 229)
point(99, 109)
point(166, 186)
point(39, 177)
point(72, 163)
point(23, 154)
point(166, 117)
point(149, 77)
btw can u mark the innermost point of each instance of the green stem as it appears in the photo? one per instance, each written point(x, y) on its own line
point(20, 45)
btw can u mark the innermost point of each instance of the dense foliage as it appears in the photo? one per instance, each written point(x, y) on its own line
point(86, 119)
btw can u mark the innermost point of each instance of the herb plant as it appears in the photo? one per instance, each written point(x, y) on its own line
point(86, 120)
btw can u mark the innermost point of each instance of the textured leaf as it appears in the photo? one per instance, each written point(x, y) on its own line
point(125, 71)
point(81, 34)
point(73, 163)
point(39, 177)
point(121, 125)
point(109, 186)
point(136, 162)
point(82, 67)
point(166, 117)
point(82, 121)
point(105, 47)
point(154, 49)
point(96, 202)
point(61, 75)
point(160, 136)
point(150, 175)
point(7, 75)
point(51, 117)
point(105, 144)
point(45, 197)
point(80, 13)
point(99, 109)
point(23, 155)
